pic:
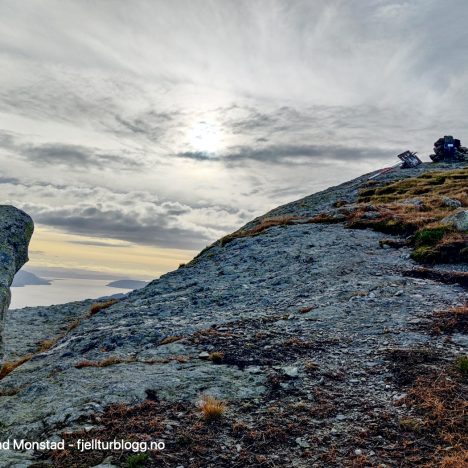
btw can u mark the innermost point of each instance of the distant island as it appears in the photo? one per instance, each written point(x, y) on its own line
point(127, 284)
point(25, 278)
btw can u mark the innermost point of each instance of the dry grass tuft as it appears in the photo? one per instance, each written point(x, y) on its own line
point(326, 219)
point(211, 408)
point(9, 391)
point(45, 345)
point(439, 401)
point(170, 339)
point(10, 366)
point(98, 306)
point(454, 320)
point(264, 224)
point(430, 187)
point(182, 358)
point(458, 460)
point(104, 363)
point(216, 357)
point(73, 324)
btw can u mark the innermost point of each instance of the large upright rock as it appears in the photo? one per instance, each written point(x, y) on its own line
point(16, 229)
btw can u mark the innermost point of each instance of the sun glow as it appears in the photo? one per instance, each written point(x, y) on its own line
point(206, 137)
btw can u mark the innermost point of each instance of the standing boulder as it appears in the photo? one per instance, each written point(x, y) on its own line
point(16, 229)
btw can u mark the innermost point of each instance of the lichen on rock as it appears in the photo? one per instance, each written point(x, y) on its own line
point(16, 229)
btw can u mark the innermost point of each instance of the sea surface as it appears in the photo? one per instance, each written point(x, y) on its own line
point(61, 291)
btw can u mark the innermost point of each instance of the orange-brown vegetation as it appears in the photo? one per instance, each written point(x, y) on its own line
point(10, 366)
point(454, 320)
point(211, 408)
point(170, 339)
point(263, 225)
point(416, 207)
point(98, 306)
point(11, 391)
point(439, 400)
point(104, 363)
point(216, 357)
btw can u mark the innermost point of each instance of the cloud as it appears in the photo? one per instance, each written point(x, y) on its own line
point(118, 223)
point(291, 154)
point(78, 157)
point(198, 156)
point(99, 244)
point(9, 180)
point(136, 217)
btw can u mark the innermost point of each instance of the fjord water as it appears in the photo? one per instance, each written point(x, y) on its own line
point(60, 291)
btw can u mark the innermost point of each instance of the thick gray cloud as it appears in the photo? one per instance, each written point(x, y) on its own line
point(135, 216)
point(56, 154)
point(290, 154)
point(9, 180)
point(120, 225)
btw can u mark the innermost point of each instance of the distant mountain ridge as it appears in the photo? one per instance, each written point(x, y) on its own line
point(127, 284)
point(25, 278)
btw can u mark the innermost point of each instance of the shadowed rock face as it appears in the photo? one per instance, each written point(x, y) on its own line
point(16, 229)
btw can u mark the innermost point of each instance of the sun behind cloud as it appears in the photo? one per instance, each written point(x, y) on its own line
point(206, 137)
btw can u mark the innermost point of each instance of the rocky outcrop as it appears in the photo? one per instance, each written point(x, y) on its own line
point(16, 229)
point(293, 327)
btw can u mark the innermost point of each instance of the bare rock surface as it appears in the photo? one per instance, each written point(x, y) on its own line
point(311, 309)
point(16, 228)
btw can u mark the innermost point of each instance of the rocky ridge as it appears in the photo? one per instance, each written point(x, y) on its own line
point(302, 322)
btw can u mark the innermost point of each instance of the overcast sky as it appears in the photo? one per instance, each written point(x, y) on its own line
point(165, 124)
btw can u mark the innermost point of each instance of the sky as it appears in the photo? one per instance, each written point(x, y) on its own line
point(136, 133)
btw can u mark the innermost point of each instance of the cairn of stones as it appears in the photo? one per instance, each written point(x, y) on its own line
point(455, 153)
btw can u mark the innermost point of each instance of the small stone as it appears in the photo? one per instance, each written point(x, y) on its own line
point(397, 398)
point(451, 203)
point(290, 371)
point(204, 355)
point(358, 452)
point(302, 443)
point(399, 292)
point(340, 417)
point(418, 203)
